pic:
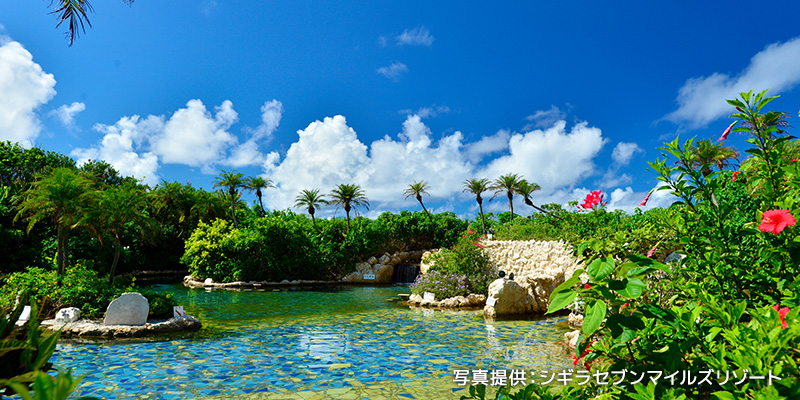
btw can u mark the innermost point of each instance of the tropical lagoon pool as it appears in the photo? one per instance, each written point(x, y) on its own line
point(345, 342)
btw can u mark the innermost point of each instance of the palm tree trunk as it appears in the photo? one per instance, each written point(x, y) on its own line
point(511, 204)
point(261, 204)
point(348, 220)
point(426, 211)
point(483, 220)
point(113, 271)
point(313, 220)
point(233, 213)
point(61, 249)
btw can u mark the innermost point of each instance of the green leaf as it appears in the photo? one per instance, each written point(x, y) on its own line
point(595, 314)
point(724, 395)
point(633, 288)
point(560, 300)
point(600, 268)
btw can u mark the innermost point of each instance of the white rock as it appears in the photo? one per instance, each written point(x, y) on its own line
point(128, 309)
point(384, 259)
point(66, 315)
point(372, 260)
point(572, 338)
point(209, 281)
point(510, 298)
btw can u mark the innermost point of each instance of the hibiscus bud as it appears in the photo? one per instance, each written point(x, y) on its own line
point(727, 131)
point(586, 286)
point(647, 197)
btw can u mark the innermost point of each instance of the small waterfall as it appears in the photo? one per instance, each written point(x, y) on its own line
point(406, 273)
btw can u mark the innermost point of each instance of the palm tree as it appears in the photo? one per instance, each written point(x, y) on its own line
point(208, 206)
point(506, 184)
point(255, 184)
point(476, 187)
point(348, 196)
point(118, 207)
point(76, 11)
point(232, 181)
point(706, 153)
point(526, 188)
point(310, 199)
point(417, 189)
point(62, 196)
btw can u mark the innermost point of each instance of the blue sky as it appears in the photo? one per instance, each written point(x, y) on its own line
point(575, 96)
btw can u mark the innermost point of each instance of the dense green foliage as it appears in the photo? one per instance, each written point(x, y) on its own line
point(24, 359)
point(732, 305)
point(283, 245)
point(81, 286)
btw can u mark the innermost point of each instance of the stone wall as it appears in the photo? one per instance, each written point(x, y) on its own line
point(538, 267)
point(382, 268)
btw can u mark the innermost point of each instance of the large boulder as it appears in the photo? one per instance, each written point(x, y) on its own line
point(509, 297)
point(67, 315)
point(128, 309)
point(538, 266)
point(425, 266)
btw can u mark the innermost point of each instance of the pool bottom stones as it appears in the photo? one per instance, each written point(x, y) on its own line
point(329, 344)
point(423, 389)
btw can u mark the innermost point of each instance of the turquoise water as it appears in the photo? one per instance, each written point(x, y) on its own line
point(336, 343)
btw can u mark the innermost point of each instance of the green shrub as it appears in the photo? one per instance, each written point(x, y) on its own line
point(161, 304)
point(80, 287)
point(466, 258)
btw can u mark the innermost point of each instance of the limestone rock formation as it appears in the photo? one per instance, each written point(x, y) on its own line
point(538, 266)
point(128, 309)
point(508, 297)
point(382, 268)
point(471, 301)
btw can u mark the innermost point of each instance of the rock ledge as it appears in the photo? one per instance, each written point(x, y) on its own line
point(89, 328)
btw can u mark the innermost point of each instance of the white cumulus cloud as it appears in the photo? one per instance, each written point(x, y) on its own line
point(120, 147)
point(195, 137)
point(249, 153)
point(191, 136)
point(702, 100)
point(554, 158)
point(329, 153)
point(419, 36)
point(393, 71)
point(498, 142)
point(66, 113)
point(623, 152)
point(24, 87)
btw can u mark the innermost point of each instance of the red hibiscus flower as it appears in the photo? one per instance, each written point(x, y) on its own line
point(776, 221)
point(734, 175)
point(782, 313)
